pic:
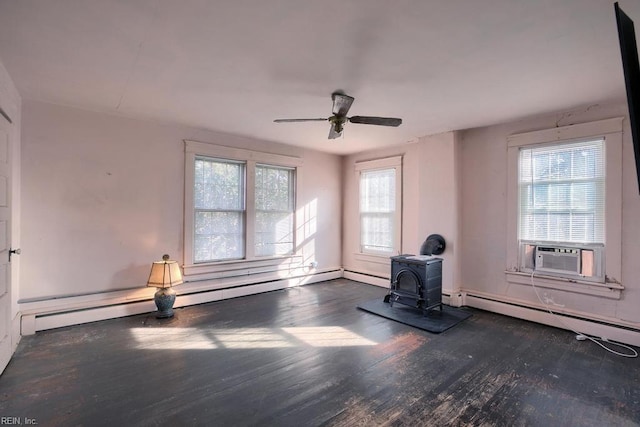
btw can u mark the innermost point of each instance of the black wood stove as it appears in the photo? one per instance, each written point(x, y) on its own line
point(416, 280)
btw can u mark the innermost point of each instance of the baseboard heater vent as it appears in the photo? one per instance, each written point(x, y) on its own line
point(469, 297)
point(52, 317)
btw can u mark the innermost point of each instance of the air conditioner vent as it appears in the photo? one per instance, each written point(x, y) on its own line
point(562, 260)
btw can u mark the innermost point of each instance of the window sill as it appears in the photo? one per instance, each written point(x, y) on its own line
point(606, 290)
point(240, 267)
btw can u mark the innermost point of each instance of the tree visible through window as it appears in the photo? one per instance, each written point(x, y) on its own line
point(219, 209)
point(222, 217)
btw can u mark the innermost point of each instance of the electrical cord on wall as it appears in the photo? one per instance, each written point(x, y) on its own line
point(581, 336)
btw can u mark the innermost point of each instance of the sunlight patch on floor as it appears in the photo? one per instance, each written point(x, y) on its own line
point(171, 339)
point(328, 336)
point(251, 338)
point(245, 338)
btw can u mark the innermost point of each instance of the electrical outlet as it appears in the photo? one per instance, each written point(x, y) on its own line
point(313, 264)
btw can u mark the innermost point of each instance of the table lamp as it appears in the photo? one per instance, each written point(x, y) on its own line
point(165, 274)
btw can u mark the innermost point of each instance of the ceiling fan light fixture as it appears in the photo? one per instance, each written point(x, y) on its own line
point(333, 134)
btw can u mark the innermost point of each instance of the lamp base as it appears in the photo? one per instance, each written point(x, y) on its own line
point(164, 299)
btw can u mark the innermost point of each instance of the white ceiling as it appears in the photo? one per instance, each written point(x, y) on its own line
point(235, 65)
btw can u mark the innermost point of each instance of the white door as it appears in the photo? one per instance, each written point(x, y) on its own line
point(6, 348)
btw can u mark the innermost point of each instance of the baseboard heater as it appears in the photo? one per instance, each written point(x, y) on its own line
point(367, 274)
point(595, 327)
point(51, 318)
point(368, 278)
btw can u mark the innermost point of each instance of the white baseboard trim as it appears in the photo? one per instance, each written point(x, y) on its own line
point(53, 314)
point(50, 314)
point(585, 326)
point(366, 278)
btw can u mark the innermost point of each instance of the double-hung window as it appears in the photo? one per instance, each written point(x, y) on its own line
point(562, 208)
point(380, 198)
point(239, 204)
point(565, 205)
point(274, 203)
point(219, 209)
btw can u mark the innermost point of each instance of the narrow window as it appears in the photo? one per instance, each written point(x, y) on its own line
point(377, 210)
point(380, 206)
point(274, 210)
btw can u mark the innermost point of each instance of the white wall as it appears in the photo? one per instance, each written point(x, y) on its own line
point(103, 198)
point(483, 214)
point(429, 203)
point(438, 209)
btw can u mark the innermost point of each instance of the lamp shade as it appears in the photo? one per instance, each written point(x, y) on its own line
point(165, 273)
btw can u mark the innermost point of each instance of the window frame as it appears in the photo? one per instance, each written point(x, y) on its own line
point(380, 164)
point(251, 159)
point(611, 131)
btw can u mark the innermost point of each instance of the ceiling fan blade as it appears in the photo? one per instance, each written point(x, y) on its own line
point(332, 132)
point(341, 103)
point(380, 121)
point(299, 120)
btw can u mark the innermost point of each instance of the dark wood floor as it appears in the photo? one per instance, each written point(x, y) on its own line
point(307, 357)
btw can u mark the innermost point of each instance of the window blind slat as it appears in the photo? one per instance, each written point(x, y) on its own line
point(562, 192)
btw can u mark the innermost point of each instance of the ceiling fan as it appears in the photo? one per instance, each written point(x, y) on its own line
point(341, 104)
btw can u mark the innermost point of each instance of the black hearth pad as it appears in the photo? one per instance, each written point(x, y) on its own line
point(435, 321)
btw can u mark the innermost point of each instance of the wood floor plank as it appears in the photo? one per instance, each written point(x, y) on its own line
point(307, 356)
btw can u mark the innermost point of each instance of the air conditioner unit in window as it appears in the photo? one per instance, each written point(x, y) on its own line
point(558, 259)
point(585, 262)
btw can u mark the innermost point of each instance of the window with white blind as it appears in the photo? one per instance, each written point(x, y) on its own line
point(565, 206)
point(379, 206)
point(562, 192)
point(239, 205)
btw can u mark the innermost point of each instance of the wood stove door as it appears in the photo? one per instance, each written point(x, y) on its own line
point(405, 288)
